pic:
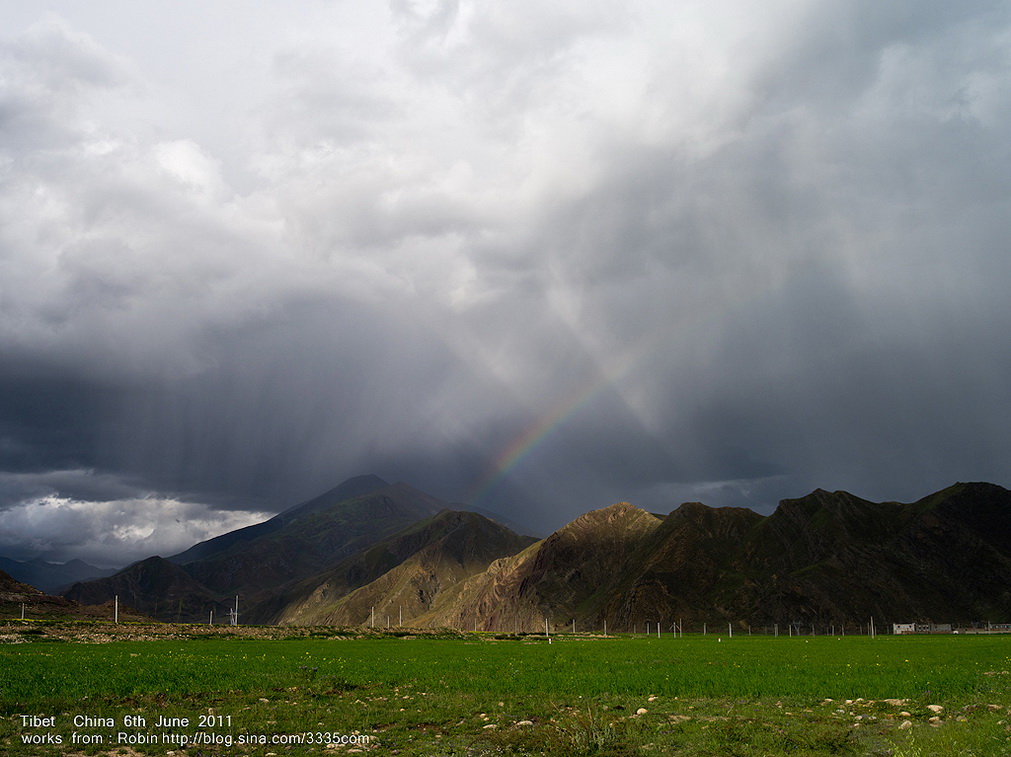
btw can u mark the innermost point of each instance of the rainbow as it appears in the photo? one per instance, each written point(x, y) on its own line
point(528, 441)
point(534, 435)
point(532, 438)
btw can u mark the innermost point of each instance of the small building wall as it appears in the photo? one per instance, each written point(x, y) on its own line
point(901, 628)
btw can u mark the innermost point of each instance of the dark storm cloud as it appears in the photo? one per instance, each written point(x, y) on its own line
point(49, 422)
point(320, 388)
point(839, 240)
point(843, 395)
point(547, 258)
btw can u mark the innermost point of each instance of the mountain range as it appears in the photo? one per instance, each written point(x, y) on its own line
point(369, 552)
point(51, 577)
point(20, 600)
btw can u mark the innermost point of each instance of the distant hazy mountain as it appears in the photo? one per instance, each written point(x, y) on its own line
point(49, 576)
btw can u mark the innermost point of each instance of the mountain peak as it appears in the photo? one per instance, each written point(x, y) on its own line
point(356, 486)
point(692, 508)
point(619, 522)
point(366, 483)
point(618, 513)
point(818, 500)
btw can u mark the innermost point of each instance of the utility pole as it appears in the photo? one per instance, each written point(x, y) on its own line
point(116, 615)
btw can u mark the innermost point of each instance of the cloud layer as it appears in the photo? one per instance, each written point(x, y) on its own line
point(622, 251)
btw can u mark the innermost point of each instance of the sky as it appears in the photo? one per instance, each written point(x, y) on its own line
point(532, 257)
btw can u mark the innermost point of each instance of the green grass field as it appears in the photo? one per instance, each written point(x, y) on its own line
point(478, 695)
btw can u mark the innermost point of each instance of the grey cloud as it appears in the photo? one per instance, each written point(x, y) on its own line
point(53, 58)
point(834, 394)
point(500, 61)
point(776, 267)
point(49, 71)
point(324, 95)
point(78, 484)
point(297, 400)
point(50, 420)
point(836, 50)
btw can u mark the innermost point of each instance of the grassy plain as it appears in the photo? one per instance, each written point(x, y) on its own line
point(442, 695)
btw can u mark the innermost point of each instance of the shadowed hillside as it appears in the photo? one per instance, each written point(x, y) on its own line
point(828, 558)
point(401, 576)
point(260, 562)
point(16, 597)
point(157, 588)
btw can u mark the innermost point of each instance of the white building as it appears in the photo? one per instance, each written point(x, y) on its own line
point(899, 628)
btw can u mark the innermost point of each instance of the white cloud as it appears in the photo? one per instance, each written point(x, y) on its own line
point(187, 163)
point(112, 532)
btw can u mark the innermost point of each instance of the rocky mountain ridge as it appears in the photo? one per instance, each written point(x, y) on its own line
point(393, 555)
point(828, 559)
